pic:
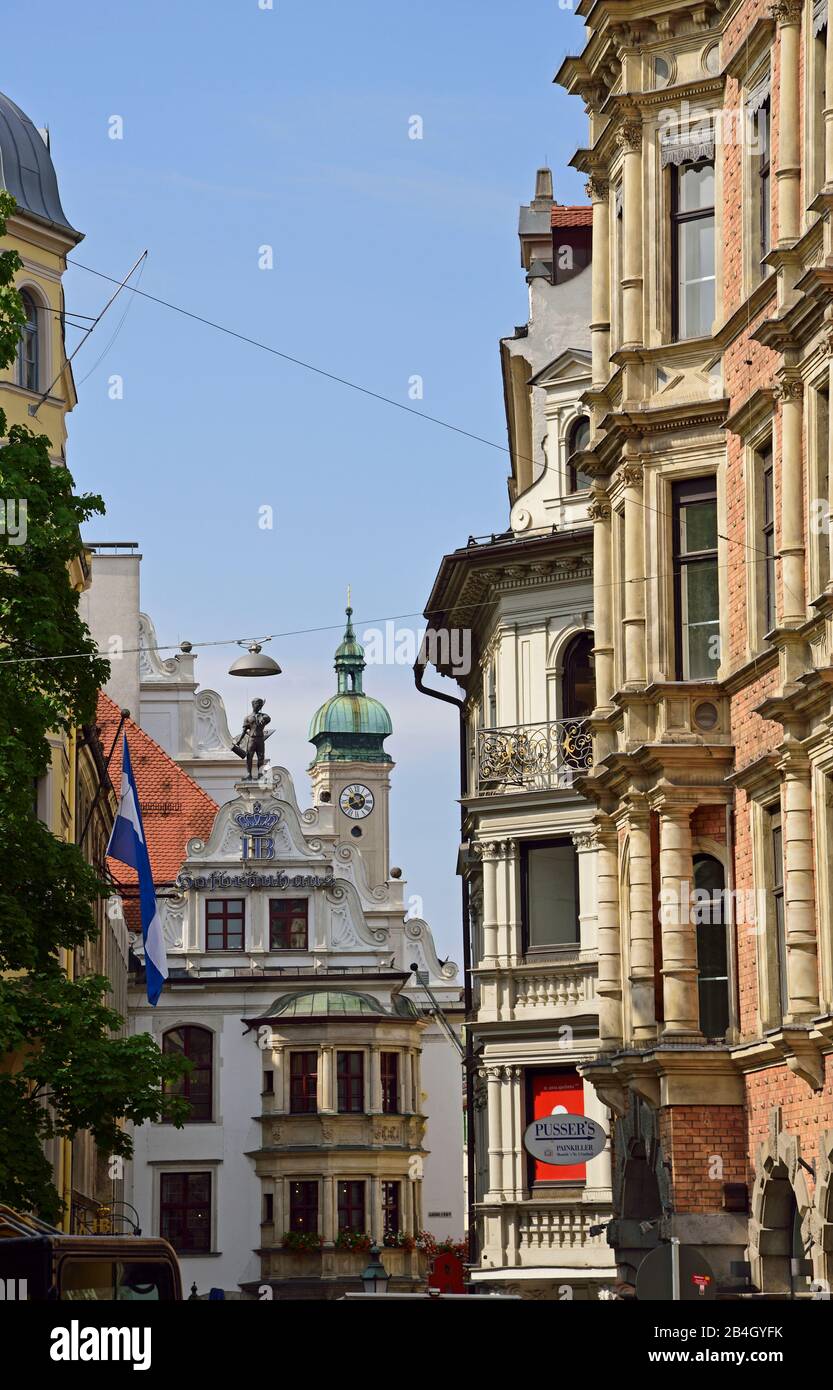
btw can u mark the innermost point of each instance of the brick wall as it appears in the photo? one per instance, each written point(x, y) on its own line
point(706, 1146)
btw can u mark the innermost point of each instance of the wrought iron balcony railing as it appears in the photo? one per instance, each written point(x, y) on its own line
point(532, 756)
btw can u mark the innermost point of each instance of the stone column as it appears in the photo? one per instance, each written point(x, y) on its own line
point(493, 1110)
point(329, 1214)
point(630, 138)
point(791, 550)
point(490, 922)
point(799, 894)
point(599, 513)
point(828, 103)
point(375, 1224)
point(641, 923)
point(509, 1131)
point(679, 932)
point(279, 1066)
point(326, 1069)
point(597, 192)
point(280, 1215)
point(511, 947)
point(375, 1079)
point(634, 586)
point(787, 14)
point(609, 986)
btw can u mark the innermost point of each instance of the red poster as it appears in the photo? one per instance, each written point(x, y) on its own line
point(555, 1092)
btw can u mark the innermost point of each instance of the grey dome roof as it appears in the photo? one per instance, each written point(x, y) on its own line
point(26, 168)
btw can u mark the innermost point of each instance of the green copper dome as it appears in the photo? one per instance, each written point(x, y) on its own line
point(351, 726)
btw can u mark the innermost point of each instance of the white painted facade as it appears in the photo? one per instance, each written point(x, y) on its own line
point(359, 940)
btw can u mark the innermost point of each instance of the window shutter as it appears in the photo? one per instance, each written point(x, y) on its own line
point(819, 16)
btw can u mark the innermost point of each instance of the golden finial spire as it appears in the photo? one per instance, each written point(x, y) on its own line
point(348, 596)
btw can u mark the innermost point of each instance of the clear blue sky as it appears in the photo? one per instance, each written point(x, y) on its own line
point(392, 257)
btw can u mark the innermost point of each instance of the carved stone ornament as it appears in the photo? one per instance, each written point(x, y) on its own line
point(597, 189)
point(629, 136)
point(786, 11)
point(631, 474)
point(789, 389)
point(599, 509)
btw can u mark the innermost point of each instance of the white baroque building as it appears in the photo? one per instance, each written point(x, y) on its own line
point(325, 1095)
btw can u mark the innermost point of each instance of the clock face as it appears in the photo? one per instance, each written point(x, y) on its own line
point(356, 801)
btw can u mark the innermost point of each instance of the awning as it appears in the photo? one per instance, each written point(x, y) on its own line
point(759, 94)
point(819, 16)
point(687, 146)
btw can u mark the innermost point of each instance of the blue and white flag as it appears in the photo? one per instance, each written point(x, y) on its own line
point(128, 845)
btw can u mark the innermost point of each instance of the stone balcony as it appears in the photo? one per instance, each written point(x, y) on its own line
point(541, 990)
point(540, 1232)
point(532, 757)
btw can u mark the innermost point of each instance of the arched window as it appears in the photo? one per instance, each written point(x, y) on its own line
point(712, 952)
point(196, 1085)
point(577, 439)
point(579, 685)
point(28, 349)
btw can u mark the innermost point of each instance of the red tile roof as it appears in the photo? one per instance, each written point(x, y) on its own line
point(174, 807)
point(577, 215)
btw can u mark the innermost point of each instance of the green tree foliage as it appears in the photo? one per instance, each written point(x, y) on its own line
point(62, 1066)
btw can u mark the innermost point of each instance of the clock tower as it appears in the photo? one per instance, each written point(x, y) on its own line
point(351, 767)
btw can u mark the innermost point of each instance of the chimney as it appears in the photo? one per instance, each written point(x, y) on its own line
point(543, 188)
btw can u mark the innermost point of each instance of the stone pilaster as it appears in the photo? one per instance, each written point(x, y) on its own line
point(492, 1076)
point(630, 139)
point(599, 513)
point(640, 922)
point(681, 1005)
point(791, 549)
point(609, 988)
point(598, 193)
point(787, 15)
point(799, 889)
point(634, 586)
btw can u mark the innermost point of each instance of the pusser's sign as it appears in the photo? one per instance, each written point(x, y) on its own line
point(564, 1139)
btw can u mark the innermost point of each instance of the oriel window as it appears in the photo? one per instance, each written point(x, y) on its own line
point(350, 1078)
point(351, 1206)
point(303, 1083)
point(390, 1083)
point(696, 587)
point(390, 1208)
point(303, 1206)
point(549, 894)
point(692, 249)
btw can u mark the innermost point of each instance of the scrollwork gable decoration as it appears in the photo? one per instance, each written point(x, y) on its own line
point(213, 734)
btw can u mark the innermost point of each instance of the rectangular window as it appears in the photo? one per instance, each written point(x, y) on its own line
point(820, 535)
point(268, 1083)
point(350, 1077)
point(547, 1091)
point(185, 1211)
point(696, 588)
point(549, 894)
point(303, 1083)
point(268, 1206)
point(287, 924)
point(224, 924)
point(351, 1206)
point(390, 1083)
point(763, 170)
point(303, 1206)
point(692, 249)
point(819, 60)
point(768, 538)
point(390, 1208)
point(777, 848)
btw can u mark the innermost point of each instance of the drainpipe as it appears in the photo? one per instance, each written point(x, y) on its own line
point(468, 1059)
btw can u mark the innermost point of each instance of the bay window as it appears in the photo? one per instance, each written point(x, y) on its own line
point(549, 894)
point(692, 249)
point(696, 587)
